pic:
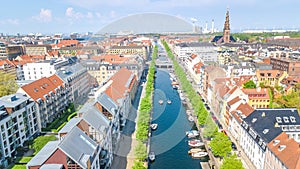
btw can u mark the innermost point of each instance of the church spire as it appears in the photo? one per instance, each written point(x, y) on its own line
point(227, 25)
point(226, 30)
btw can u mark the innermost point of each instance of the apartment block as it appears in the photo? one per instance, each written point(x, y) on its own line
point(18, 123)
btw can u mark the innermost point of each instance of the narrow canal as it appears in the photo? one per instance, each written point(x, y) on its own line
point(169, 141)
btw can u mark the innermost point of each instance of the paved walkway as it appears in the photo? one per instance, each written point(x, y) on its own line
point(130, 156)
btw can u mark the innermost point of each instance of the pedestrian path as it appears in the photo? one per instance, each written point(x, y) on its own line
point(130, 156)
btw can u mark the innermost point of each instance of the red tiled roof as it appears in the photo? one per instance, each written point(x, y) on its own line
point(257, 93)
point(289, 155)
point(118, 88)
point(234, 100)
point(41, 87)
point(111, 58)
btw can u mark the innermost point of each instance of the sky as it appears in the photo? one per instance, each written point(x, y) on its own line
point(66, 16)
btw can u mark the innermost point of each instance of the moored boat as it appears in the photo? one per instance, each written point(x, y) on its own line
point(160, 101)
point(154, 126)
point(169, 101)
point(199, 154)
point(152, 156)
point(192, 133)
point(195, 143)
point(195, 150)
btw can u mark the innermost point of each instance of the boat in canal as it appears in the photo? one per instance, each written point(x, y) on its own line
point(151, 156)
point(192, 133)
point(169, 101)
point(195, 150)
point(161, 102)
point(199, 154)
point(195, 143)
point(154, 126)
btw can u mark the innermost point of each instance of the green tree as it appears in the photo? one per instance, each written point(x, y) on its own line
point(232, 162)
point(210, 128)
point(8, 84)
point(249, 85)
point(140, 151)
point(138, 165)
point(220, 145)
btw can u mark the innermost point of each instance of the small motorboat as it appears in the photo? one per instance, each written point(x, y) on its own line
point(154, 126)
point(161, 102)
point(192, 133)
point(169, 101)
point(195, 150)
point(195, 143)
point(199, 154)
point(152, 156)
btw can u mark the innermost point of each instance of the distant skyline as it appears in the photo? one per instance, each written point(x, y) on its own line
point(66, 16)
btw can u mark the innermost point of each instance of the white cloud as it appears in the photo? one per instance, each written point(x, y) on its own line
point(73, 15)
point(44, 16)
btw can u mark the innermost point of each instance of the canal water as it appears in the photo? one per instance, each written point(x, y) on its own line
point(169, 141)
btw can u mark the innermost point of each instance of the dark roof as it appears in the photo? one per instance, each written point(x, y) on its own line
point(267, 123)
point(217, 39)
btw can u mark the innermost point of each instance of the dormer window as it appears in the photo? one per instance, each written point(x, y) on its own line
point(254, 120)
point(293, 119)
point(286, 119)
point(281, 147)
point(275, 142)
point(278, 119)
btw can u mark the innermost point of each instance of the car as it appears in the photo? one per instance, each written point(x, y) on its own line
point(233, 146)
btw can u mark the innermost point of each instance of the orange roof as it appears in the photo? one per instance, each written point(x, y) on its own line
point(234, 100)
point(40, 88)
point(111, 58)
point(197, 67)
point(122, 82)
point(6, 62)
point(30, 58)
point(239, 81)
point(257, 93)
point(242, 111)
point(287, 150)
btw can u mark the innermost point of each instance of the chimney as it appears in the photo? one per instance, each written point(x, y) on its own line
point(212, 26)
point(258, 89)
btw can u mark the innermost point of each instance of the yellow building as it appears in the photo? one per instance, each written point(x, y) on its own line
point(270, 77)
point(258, 98)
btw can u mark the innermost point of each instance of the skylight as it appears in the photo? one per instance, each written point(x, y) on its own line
point(266, 131)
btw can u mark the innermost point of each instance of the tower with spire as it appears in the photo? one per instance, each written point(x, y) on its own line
point(226, 30)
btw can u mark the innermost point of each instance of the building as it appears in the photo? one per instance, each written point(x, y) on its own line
point(77, 79)
point(270, 77)
point(18, 123)
point(13, 51)
point(102, 68)
point(282, 153)
point(76, 150)
point(258, 98)
point(129, 50)
point(37, 70)
point(262, 126)
point(51, 96)
point(37, 49)
point(204, 50)
point(292, 67)
point(226, 38)
point(3, 54)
